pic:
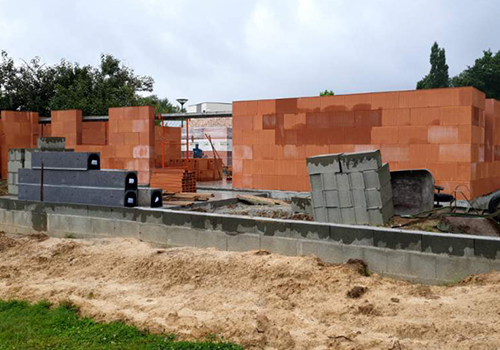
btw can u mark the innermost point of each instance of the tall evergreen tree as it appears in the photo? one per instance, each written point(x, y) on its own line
point(438, 77)
point(483, 75)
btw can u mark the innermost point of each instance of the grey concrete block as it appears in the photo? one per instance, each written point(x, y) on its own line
point(397, 239)
point(181, 236)
point(345, 199)
point(377, 198)
point(14, 166)
point(22, 218)
point(272, 227)
point(361, 215)
point(348, 216)
point(343, 183)
point(423, 265)
point(100, 226)
point(332, 199)
point(316, 182)
point(453, 269)
point(318, 199)
point(359, 199)
point(357, 181)
point(79, 195)
point(149, 197)
point(122, 179)
point(353, 252)
point(360, 161)
point(376, 259)
point(381, 216)
point(457, 245)
point(309, 230)
point(329, 181)
point(334, 215)
point(127, 228)
point(398, 262)
point(243, 242)
point(320, 215)
point(10, 178)
point(51, 143)
point(238, 224)
point(331, 253)
point(179, 218)
point(28, 156)
point(13, 190)
point(279, 245)
point(488, 248)
point(16, 154)
point(321, 164)
point(351, 235)
point(302, 205)
point(66, 160)
point(376, 179)
point(205, 221)
point(212, 239)
point(69, 224)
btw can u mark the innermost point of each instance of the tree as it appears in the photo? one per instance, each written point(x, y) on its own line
point(438, 77)
point(483, 75)
point(36, 87)
point(95, 90)
point(327, 93)
point(26, 87)
point(161, 105)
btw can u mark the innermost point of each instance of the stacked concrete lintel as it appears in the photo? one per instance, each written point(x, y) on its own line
point(351, 188)
point(75, 177)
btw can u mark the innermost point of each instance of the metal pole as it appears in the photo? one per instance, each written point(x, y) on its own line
point(41, 184)
point(187, 144)
point(162, 141)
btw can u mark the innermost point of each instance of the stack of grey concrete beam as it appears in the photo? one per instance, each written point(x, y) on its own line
point(75, 177)
point(150, 197)
point(351, 188)
point(20, 158)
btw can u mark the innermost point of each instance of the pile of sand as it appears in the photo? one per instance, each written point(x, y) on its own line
point(256, 299)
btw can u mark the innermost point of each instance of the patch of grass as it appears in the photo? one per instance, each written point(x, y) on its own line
point(41, 326)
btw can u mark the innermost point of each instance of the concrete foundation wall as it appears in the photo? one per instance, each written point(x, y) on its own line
point(410, 255)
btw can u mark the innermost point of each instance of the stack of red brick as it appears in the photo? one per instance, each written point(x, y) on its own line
point(205, 169)
point(448, 131)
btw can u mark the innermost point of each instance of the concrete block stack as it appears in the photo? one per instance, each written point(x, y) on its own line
point(20, 158)
point(351, 188)
point(75, 177)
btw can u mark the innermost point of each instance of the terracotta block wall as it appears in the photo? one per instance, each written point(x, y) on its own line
point(94, 133)
point(172, 145)
point(17, 130)
point(444, 130)
point(67, 124)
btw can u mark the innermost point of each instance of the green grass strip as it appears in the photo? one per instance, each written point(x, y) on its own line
point(41, 326)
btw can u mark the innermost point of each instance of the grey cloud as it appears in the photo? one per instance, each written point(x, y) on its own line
point(229, 50)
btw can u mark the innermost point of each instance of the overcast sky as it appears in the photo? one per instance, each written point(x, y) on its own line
point(226, 50)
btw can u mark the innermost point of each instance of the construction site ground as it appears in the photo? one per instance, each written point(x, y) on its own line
point(256, 299)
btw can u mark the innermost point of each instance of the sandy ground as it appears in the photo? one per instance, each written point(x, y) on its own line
point(257, 299)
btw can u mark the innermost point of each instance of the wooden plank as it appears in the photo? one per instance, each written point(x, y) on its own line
point(254, 200)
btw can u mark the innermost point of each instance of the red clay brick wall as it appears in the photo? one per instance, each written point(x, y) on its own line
point(172, 144)
point(67, 124)
point(18, 130)
point(95, 133)
point(443, 130)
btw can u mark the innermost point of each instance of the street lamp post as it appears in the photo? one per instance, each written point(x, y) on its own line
point(182, 101)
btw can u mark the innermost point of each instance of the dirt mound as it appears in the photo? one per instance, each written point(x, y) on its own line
point(257, 299)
